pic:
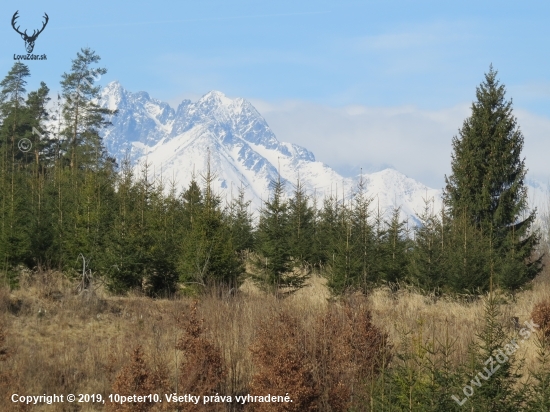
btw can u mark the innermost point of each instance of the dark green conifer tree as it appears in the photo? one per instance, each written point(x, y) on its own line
point(240, 222)
point(396, 245)
point(301, 228)
point(343, 262)
point(86, 172)
point(379, 258)
point(274, 260)
point(38, 174)
point(192, 201)
point(427, 259)
point(15, 198)
point(495, 367)
point(123, 262)
point(161, 274)
point(466, 253)
point(37, 115)
point(327, 231)
point(363, 239)
point(83, 117)
point(487, 183)
point(354, 247)
point(539, 390)
point(208, 257)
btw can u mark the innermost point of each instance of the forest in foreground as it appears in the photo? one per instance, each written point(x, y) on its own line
point(115, 281)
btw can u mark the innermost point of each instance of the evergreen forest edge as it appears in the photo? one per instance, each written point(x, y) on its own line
point(67, 200)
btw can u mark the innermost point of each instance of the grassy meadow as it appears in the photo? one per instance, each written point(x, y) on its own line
point(58, 341)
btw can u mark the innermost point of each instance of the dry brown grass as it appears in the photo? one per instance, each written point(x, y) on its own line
point(57, 341)
point(410, 311)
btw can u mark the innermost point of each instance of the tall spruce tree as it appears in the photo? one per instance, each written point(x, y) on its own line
point(273, 239)
point(363, 238)
point(426, 261)
point(487, 182)
point(123, 256)
point(396, 244)
point(37, 115)
point(353, 244)
point(301, 227)
point(15, 210)
point(208, 256)
point(497, 388)
point(84, 118)
point(240, 221)
point(327, 229)
point(86, 173)
point(342, 259)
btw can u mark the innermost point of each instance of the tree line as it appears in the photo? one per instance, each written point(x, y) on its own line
point(64, 196)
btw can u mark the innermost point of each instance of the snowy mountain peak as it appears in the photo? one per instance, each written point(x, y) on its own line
point(217, 98)
point(114, 92)
point(112, 87)
point(243, 150)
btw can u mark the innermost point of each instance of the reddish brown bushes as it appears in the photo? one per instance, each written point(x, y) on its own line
point(203, 369)
point(323, 366)
point(137, 378)
point(541, 317)
point(282, 363)
point(350, 352)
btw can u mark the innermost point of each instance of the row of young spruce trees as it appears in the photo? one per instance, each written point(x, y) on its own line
point(66, 197)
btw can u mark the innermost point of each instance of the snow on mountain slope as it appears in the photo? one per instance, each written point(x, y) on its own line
point(243, 150)
point(141, 121)
point(389, 188)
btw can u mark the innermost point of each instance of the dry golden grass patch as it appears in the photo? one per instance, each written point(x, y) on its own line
point(426, 317)
point(62, 342)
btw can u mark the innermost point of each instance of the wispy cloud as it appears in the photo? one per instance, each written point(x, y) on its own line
point(534, 90)
point(414, 141)
point(419, 36)
point(536, 130)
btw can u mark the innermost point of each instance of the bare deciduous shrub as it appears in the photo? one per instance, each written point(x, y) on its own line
point(137, 378)
point(333, 368)
point(350, 351)
point(324, 366)
point(541, 316)
point(370, 349)
point(282, 363)
point(202, 370)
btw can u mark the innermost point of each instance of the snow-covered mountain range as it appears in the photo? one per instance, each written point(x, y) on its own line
point(243, 150)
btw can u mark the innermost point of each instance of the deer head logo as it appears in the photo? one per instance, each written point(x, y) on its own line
point(29, 40)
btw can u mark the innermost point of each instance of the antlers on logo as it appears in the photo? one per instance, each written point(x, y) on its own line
point(29, 40)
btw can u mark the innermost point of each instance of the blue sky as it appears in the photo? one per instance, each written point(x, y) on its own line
point(391, 79)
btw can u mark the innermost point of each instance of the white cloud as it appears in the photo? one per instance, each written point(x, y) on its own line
point(394, 41)
point(419, 36)
point(414, 141)
point(536, 149)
